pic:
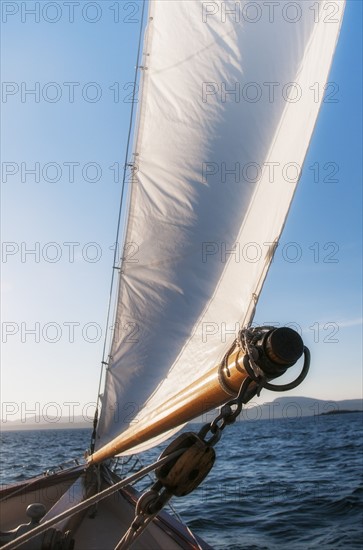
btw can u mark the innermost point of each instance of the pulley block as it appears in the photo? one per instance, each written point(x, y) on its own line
point(183, 474)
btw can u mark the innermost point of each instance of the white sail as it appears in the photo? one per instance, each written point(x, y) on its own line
point(231, 93)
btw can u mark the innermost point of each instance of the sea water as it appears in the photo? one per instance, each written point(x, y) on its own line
point(276, 484)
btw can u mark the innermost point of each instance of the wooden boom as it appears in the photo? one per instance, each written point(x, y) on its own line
point(281, 348)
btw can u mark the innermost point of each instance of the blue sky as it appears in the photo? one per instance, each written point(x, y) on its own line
point(61, 290)
point(323, 290)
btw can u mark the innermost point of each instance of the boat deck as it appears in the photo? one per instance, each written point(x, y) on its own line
point(102, 526)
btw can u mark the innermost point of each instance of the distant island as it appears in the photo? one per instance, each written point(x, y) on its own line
point(291, 408)
point(343, 411)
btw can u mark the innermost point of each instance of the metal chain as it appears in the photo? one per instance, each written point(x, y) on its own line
point(147, 508)
point(232, 408)
point(228, 415)
point(151, 502)
point(246, 341)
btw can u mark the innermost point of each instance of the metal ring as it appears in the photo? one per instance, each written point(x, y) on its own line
point(297, 381)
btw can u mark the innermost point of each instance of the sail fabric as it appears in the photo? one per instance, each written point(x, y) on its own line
point(230, 96)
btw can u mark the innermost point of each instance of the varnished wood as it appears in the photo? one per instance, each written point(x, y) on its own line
point(200, 397)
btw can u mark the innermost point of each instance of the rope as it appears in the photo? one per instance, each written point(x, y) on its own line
point(178, 516)
point(92, 500)
point(132, 534)
point(246, 341)
point(169, 504)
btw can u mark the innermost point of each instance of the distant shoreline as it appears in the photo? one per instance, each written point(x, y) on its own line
point(291, 408)
point(339, 412)
point(4, 427)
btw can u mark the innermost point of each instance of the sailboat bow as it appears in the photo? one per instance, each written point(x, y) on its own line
point(225, 117)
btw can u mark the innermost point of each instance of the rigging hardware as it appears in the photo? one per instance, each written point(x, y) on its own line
point(268, 353)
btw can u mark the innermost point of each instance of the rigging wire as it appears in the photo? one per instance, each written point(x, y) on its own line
point(169, 504)
point(84, 505)
point(126, 165)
